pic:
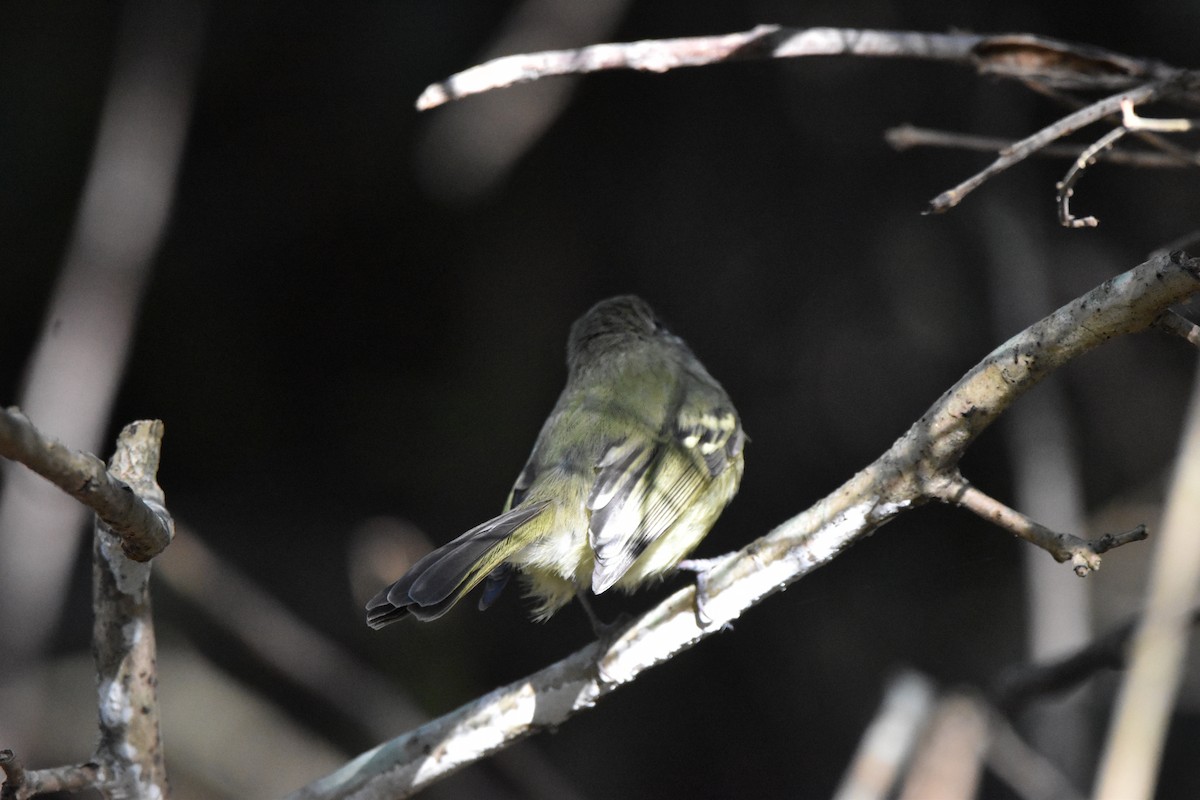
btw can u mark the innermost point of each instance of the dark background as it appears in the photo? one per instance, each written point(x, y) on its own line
point(332, 335)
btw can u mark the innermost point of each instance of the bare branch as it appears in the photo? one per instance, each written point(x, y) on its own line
point(911, 472)
point(905, 137)
point(22, 783)
point(660, 55)
point(145, 530)
point(129, 760)
point(1182, 156)
point(1031, 144)
point(1066, 187)
point(123, 641)
point(1177, 325)
point(1131, 120)
point(1045, 64)
point(1083, 554)
point(1016, 56)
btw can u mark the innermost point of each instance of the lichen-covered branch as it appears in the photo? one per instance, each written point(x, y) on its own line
point(128, 760)
point(144, 528)
point(21, 783)
point(916, 469)
point(130, 749)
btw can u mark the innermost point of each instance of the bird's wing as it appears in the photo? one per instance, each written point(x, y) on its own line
point(643, 486)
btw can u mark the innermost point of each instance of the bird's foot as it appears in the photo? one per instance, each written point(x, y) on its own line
point(701, 568)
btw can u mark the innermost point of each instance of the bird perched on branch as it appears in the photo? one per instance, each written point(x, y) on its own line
point(639, 457)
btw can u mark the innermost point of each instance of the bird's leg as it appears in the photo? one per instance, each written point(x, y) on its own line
point(601, 628)
point(700, 567)
point(606, 632)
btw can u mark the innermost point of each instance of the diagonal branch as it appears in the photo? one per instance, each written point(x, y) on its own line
point(1031, 144)
point(906, 137)
point(913, 471)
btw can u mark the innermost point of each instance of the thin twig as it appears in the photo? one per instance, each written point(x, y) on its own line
point(145, 531)
point(905, 137)
point(1177, 325)
point(1130, 122)
point(1084, 554)
point(1183, 156)
point(1066, 187)
point(1047, 64)
point(1031, 144)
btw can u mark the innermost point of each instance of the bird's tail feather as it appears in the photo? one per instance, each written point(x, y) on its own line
point(442, 577)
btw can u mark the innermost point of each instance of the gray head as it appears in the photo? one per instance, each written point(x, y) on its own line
point(610, 324)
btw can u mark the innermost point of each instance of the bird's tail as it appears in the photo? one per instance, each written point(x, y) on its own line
point(441, 578)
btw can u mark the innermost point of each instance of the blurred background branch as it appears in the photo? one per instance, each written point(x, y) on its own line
point(1138, 731)
point(77, 364)
point(464, 154)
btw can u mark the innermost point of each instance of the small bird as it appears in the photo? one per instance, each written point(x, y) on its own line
point(640, 455)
